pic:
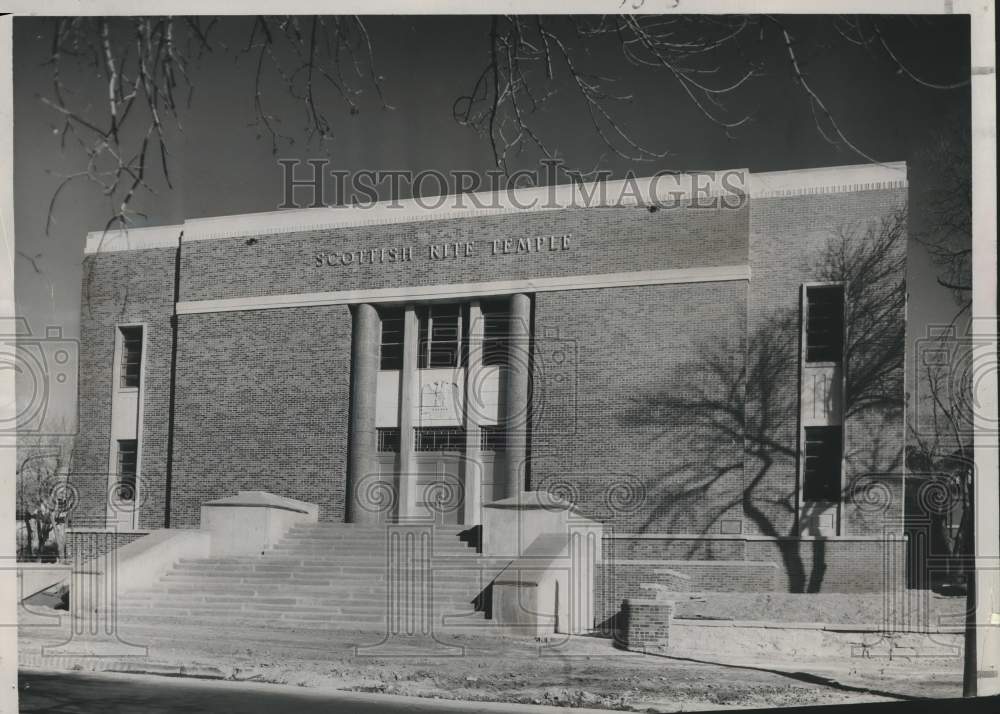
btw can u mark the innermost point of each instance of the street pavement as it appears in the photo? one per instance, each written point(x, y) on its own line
point(109, 693)
point(115, 693)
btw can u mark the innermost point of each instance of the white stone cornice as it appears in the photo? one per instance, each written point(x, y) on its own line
point(664, 189)
point(833, 179)
point(133, 239)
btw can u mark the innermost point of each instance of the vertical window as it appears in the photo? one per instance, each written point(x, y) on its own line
point(825, 323)
point(439, 438)
point(440, 343)
point(496, 331)
point(391, 352)
point(131, 356)
point(821, 475)
point(492, 438)
point(128, 452)
point(388, 439)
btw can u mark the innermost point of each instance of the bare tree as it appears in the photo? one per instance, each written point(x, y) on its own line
point(145, 66)
point(947, 233)
point(44, 497)
point(870, 259)
point(939, 453)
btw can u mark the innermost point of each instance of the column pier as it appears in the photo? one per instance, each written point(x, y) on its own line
point(362, 466)
point(472, 466)
point(516, 404)
point(406, 484)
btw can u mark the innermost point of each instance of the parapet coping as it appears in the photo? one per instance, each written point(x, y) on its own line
point(259, 499)
point(771, 184)
point(650, 602)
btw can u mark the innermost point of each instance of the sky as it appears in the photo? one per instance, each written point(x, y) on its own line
point(221, 165)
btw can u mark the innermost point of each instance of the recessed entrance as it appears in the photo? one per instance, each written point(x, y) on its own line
point(439, 405)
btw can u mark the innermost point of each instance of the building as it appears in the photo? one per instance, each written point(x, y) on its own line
point(713, 371)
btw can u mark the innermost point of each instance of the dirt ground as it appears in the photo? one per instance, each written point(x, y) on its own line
point(916, 608)
point(581, 671)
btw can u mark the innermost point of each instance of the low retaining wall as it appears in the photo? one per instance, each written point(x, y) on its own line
point(657, 546)
point(806, 564)
point(734, 638)
point(84, 544)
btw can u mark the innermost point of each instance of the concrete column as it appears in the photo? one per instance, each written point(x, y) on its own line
point(516, 407)
point(409, 386)
point(361, 465)
point(472, 467)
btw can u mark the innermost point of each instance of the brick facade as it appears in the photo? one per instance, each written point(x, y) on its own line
point(620, 442)
point(794, 240)
point(135, 286)
point(273, 386)
point(658, 409)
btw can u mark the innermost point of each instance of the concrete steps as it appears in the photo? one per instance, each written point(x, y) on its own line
point(335, 576)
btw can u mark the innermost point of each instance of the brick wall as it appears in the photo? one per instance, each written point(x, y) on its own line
point(646, 625)
point(846, 566)
point(755, 564)
point(791, 239)
point(84, 545)
point(675, 548)
point(123, 287)
point(262, 403)
point(620, 427)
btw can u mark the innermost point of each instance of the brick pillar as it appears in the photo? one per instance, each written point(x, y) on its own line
point(515, 417)
point(362, 468)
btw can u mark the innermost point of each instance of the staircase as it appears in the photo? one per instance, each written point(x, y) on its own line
point(337, 576)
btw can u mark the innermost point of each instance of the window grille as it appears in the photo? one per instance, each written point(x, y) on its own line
point(391, 350)
point(131, 357)
point(492, 438)
point(128, 454)
point(388, 439)
point(440, 341)
point(439, 438)
point(825, 323)
point(823, 454)
point(496, 333)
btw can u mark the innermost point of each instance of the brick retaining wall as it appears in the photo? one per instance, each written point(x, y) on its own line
point(769, 565)
point(84, 545)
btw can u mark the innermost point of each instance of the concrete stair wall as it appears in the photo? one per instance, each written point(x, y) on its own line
point(336, 576)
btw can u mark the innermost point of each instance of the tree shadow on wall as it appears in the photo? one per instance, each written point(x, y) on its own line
point(737, 420)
